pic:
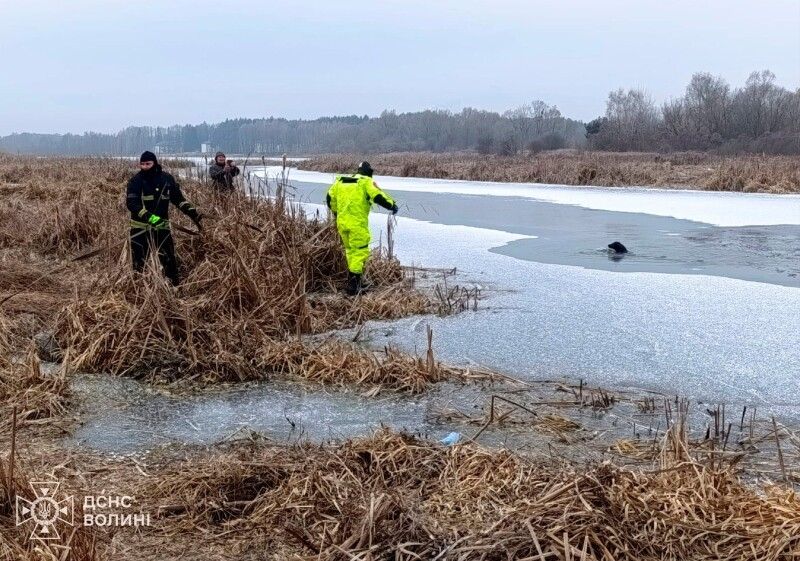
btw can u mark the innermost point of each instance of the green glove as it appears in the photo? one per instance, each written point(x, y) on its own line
point(154, 220)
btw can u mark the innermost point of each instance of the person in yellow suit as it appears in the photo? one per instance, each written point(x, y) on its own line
point(350, 199)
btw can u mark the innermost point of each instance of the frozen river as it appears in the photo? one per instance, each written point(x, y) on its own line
point(707, 306)
point(682, 313)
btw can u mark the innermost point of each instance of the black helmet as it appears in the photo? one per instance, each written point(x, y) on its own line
point(365, 169)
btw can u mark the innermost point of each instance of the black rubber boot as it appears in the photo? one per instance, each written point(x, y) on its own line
point(353, 284)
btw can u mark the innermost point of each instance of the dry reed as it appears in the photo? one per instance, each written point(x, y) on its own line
point(392, 496)
point(261, 275)
point(37, 397)
point(687, 170)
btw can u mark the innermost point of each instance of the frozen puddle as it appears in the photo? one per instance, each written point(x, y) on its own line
point(123, 416)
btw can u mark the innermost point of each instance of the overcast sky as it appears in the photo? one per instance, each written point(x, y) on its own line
point(103, 65)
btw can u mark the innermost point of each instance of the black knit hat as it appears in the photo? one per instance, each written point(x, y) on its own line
point(365, 169)
point(218, 154)
point(148, 156)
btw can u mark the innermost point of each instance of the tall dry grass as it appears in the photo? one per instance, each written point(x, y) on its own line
point(60, 205)
point(260, 277)
point(38, 397)
point(393, 496)
point(685, 170)
point(260, 274)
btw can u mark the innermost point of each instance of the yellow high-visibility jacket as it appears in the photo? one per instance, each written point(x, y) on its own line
point(350, 199)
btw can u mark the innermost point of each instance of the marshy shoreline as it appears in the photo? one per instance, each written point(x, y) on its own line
point(258, 303)
point(679, 170)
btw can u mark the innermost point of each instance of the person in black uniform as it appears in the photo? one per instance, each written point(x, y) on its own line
point(150, 193)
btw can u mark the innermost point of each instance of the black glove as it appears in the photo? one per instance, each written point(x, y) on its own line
point(195, 217)
point(395, 208)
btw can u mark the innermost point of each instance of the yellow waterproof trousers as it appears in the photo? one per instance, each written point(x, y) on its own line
point(356, 247)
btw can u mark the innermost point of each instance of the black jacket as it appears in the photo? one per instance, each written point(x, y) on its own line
point(152, 194)
point(222, 179)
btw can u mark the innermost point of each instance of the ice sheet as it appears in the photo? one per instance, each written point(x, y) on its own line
point(711, 338)
point(717, 208)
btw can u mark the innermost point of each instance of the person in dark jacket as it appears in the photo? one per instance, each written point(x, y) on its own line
point(150, 193)
point(222, 172)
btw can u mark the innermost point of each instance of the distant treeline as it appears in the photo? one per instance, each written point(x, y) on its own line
point(759, 117)
point(436, 131)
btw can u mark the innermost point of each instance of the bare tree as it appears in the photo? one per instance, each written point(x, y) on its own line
point(631, 121)
point(707, 102)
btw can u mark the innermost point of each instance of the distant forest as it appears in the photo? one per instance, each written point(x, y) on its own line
point(759, 116)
